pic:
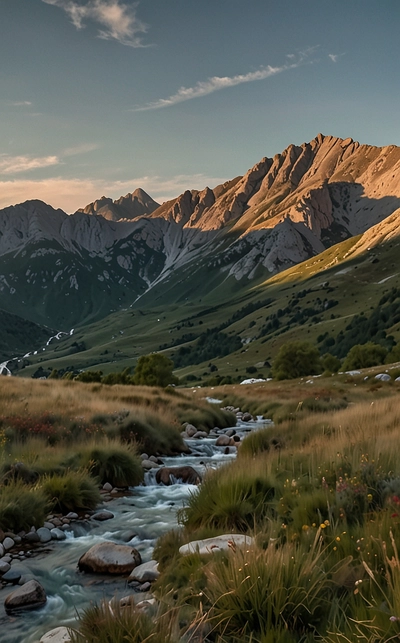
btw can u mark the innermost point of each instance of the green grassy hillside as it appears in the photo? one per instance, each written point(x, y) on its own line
point(241, 324)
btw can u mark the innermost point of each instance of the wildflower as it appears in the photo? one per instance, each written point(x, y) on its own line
point(393, 619)
point(369, 497)
point(323, 525)
point(305, 527)
point(326, 522)
point(338, 539)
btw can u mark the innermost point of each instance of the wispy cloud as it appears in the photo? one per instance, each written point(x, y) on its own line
point(216, 83)
point(335, 57)
point(72, 194)
point(16, 164)
point(118, 21)
point(20, 103)
point(80, 149)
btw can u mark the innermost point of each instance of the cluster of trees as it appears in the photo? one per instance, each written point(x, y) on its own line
point(151, 370)
point(300, 358)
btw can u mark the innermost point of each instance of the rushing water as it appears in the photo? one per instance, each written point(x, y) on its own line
point(139, 519)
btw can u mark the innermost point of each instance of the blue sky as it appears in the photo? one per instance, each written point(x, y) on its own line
point(104, 96)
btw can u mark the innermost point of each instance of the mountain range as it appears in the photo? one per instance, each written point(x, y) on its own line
point(224, 245)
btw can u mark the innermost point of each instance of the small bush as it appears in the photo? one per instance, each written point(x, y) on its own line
point(231, 501)
point(71, 491)
point(114, 624)
point(22, 507)
point(117, 464)
point(257, 591)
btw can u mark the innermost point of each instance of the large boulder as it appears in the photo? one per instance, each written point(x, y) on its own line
point(225, 542)
point(109, 558)
point(31, 595)
point(167, 475)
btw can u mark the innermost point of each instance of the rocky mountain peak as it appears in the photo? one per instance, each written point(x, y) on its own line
point(130, 206)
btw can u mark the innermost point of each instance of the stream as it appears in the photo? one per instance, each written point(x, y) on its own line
point(139, 519)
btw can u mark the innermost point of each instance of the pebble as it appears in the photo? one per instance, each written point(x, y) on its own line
point(107, 487)
point(72, 516)
point(4, 567)
point(57, 534)
point(8, 543)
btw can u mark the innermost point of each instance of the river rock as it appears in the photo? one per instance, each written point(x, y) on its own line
point(1, 550)
point(200, 434)
point(72, 516)
point(187, 475)
point(109, 558)
point(223, 441)
point(103, 515)
point(32, 537)
point(30, 596)
point(190, 430)
point(107, 487)
point(58, 635)
point(57, 534)
point(246, 417)
point(148, 464)
point(145, 572)
point(219, 543)
point(12, 576)
point(44, 534)
point(4, 567)
point(8, 543)
point(383, 377)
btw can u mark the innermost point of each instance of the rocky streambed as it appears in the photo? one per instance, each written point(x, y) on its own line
point(49, 558)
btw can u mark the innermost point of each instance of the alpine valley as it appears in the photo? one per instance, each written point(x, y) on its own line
point(305, 245)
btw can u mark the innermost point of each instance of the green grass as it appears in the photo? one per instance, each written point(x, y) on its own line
point(72, 491)
point(22, 507)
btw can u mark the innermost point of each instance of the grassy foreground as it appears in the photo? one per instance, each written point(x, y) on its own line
point(320, 494)
point(60, 440)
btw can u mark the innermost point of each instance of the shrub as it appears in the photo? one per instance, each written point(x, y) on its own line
point(114, 463)
point(257, 591)
point(152, 433)
point(296, 359)
point(232, 498)
point(71, 491)
point(113, 624)
point(21, 507)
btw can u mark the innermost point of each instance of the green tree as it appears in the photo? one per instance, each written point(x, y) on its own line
point(330, 363)
point(296, 359)
point(89, 376)
point(154, 370)
point(364, 356)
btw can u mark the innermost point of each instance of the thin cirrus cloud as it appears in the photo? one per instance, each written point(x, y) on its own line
point(117, 21)
point(216, 83)
point(84, 148)
point(16, 164)
point(20, 103)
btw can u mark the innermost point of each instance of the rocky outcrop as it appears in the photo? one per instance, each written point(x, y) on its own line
point(109, 558)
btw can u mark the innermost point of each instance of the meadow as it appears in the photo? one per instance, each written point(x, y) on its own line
point(318, 491)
